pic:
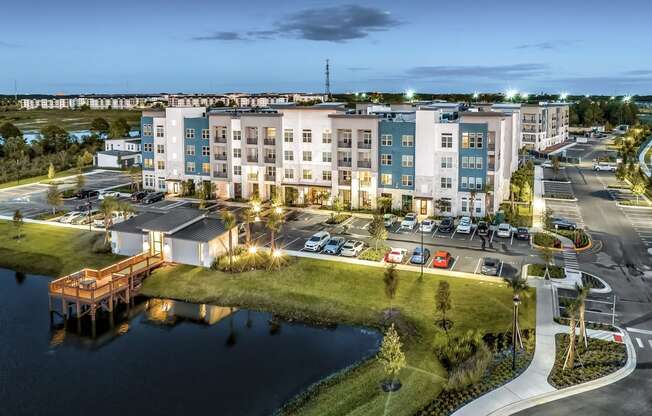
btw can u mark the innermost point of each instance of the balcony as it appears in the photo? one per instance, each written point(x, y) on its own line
point(364, 145)
point(344, 181)
point(220, 174)
point(219, 140)
point(252, 140)
point(253, 159)
point(344, 163)
point(269, 142)
point(344, 144)
point(365, 183)
point(270, 159)
point(271, 178)
point(220, 156)
point(491, 146)
point(365, 164)
point(491, 166)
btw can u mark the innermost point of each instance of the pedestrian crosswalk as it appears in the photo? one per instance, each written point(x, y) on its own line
point(570, 259)
point(641, 220)
point(642, 338)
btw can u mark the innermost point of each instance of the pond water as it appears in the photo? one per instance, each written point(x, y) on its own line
point(160, 357)
point(76, 135)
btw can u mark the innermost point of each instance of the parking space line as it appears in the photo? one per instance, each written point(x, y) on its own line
point(500, 269)
point(429, 265)
point(477, 266)
point(291, 242)
point(453, 235)
point(511, 241)
point(639, 342)
point(454, 262)
point(473, 234)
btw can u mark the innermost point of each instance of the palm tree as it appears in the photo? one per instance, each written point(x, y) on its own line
point(248, 217)
point(229, 222)
point(518, 286)
point(472, 202)
point(108, 206)
point(274, 223)
point(546, 255)
point(391, 284)
point(582, 294)
point(125, 209)
point(572, 309)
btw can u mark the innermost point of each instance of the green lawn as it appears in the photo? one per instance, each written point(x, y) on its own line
point(34, 179)
point(67, 119)
point(49, 250)
point(318, 290)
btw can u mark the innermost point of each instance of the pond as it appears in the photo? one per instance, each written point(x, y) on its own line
point(160, 357)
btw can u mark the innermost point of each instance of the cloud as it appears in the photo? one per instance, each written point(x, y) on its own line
point(639, 72)
point(513, 71)
point(4, 44)
point(327, 24)
point(358, 68)
point(547, 45)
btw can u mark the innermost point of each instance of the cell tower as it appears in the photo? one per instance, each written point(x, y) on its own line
point(328, 81)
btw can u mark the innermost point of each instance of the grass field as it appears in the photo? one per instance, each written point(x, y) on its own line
point(49, 250)
point(71, 120)
point(325, 291)
point(34, 179)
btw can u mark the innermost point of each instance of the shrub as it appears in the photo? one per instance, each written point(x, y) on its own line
point(579, 237)
point(555, 272)
point(374, 254)
point(244, 261)
point(545, 239)
point(471, 370)
point(100, 246)
point(338, 218)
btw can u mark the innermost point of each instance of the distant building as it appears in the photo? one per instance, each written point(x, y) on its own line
point(94, 102)
point(543, 125)
point(119, 153)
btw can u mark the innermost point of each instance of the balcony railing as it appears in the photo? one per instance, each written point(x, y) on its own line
point(491, 166)
point(270, 177)
point(344, 163)
point(363, 145)
point(252, 140)
point(270, 159)
point(220, 156)
point(219, 140)
point(365, 183)
point(365, 164)
point(344, 181)
point(344, 144)
point(491, 146)
point(220, 174)
point(269, 142)
point(253, 159)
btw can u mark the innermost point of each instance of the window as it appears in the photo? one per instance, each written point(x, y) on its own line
point(149, 181)
point(237, 152)
point(407, 161)
point(446, 183)
point(478, 163)
point(205, 134)
point(237, 135)
point(147, 131)
point(464, 182)
point(406, 180)
point(386, 140)
point(471, 182)
point(288, 135)
point(190, 133)
point(160, 164)
point(307, 136)
point(326, 175)
point(478, 140)
point(407, 140)
point(270, 133)
point(465, 162)
point(205, 151)
point(160, 148)
point(220, 132)
point(190, 167)
point(148, 163)
point(237, 170)
point(326, 137)
point(289, 173)
point(190, 150)
point(148, 147)
point(307, 174)
point(288, 155)
point(447, 141)
point(307, 156)
point(161, 183)
point(465, 141)
point(386, 160)
point(206, 168)
point(478, 183)
point(445, 205)
point(386, 179)
point(465, 205)
point(160, 131)
point(446, 162)
point(326, 157)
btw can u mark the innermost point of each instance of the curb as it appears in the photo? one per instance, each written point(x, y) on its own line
point(619, 374)
point(560, 199)
point(633, 206)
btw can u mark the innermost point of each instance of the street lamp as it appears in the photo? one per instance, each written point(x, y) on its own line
point(409, 94)
point(515, 336)
point(510, 94)
point(563, 96)
point(253, 250)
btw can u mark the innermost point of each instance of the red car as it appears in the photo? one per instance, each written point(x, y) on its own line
point(442, 260)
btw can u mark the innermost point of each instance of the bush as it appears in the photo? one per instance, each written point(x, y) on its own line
point(244, 261)
point(471, 370)
point(555, 272)
point(100, 246)
point(545, 239)
point(338, 218)
point(374, 254)
point(579, 237)
point(558, 196)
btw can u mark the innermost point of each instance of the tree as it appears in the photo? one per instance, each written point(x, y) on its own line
point(443, 303)
point(54, 139)
point(582, 293)
point(518, 286)
point(514, 191)
point(125, 209)
point(572, 309)
point(86, 158)
point(526, 193)
point(274, 222)
point(384, 204)
point(621, 172)
point(108, 206)
point(99, 126)
point(391, 356)
point(555, 166)
point(80, 182)
point(390, 279)
point(229, 222)
point(54, 198)
point(135, 177)
point(18, 223)
point(51, 171)
point(638, 187)
point(8, 130)
point(377, 230)
point(205, 193)
point(119, 128)
point(248, 217)
point(472, 196)
point(547, 218)
point(546, 255)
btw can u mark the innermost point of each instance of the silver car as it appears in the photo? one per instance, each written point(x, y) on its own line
point(352, 248)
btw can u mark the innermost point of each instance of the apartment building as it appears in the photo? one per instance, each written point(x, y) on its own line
point(396, 152)
point(542, 125)
point(95, 102)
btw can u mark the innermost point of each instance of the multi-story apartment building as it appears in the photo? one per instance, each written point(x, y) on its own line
point(433, 160)
point(95, 102)
point(542, 125)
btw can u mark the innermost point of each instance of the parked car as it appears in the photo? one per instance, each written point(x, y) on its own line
point(464, 226)
point(83, 207)
point(483, 228)
point(67, 218)
point(563, 224)
point(87, 193)
point(334, 245)
point(604, 166)
point(427, 226)
point(446, 225)
point(116, 218)
point(389, 220)
point(352, 248)
point(153, 197)
point(442, 260)
point(504, 230)
point(490, 266)
point(547, 164)
point(522, 233)
point(409, 221)
point(85, 218)
point(396, 255)
point(138, 196)
point(419, 256)
point(317, 242)
point(105, 194)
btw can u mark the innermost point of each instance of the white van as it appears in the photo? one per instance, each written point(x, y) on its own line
point(604, 166)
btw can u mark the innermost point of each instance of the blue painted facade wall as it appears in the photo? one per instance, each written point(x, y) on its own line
point(197, 123)
point(396, 129)
point(149, 139)
point(475, 152)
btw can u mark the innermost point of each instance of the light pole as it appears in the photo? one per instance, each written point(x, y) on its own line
point(515, 336)
point(423, 257)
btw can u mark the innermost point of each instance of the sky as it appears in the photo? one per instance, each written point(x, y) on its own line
point(211, 46)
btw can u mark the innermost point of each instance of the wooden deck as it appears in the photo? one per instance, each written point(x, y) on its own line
point(90, 289)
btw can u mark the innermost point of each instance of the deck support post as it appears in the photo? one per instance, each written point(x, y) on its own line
point(93, 316)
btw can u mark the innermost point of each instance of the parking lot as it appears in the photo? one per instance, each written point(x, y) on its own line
point(599, 307)
point(562, 190)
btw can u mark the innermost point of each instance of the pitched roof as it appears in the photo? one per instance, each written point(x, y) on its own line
point(172, 220)
point(134, 225)
point(203, 230)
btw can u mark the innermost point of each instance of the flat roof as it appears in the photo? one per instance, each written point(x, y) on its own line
point(482, 114)
point(118, 152)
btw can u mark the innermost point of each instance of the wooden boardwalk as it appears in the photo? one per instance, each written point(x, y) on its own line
point(89, 290)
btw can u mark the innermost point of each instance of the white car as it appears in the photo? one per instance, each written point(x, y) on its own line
point(602, 166)
point(504, 230)
point(317, 242)
point(546, 164)
point(389, 220)
point(106, 194)
point(409, 222)
point(464, 226)
point(116, 218)
point(396, 255)
point(69, 217)
point(427, 226)
point(352, 248)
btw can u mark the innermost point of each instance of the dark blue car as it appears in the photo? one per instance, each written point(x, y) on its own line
point(420, 257)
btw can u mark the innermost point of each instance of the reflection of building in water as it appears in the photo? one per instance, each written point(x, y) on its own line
point(170, 312)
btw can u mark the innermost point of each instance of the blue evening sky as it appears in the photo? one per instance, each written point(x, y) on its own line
point(75, 46)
